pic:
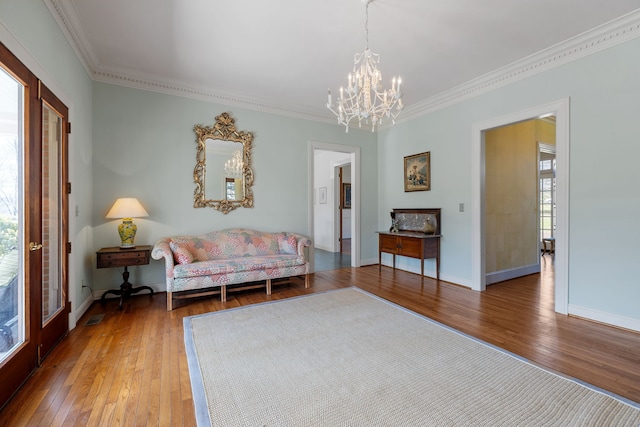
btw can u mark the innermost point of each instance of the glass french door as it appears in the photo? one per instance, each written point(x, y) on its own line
point(55, 308)
point(34, 304)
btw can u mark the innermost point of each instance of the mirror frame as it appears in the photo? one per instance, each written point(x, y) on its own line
point(224, 129)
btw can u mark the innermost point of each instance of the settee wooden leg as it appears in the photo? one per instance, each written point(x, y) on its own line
point(169, 302)
point(223, 293)
point(268, 286)
point(306, 280)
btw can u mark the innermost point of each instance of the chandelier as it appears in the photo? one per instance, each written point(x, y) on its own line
point(233, 166)
point(364, 98)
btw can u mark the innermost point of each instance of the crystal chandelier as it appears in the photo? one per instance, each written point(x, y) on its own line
point(233, 166)
point(365, 98)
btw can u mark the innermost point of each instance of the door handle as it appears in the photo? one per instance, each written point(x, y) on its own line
point(33, 246)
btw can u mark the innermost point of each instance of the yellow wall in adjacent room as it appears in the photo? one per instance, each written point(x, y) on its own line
point(511, 193)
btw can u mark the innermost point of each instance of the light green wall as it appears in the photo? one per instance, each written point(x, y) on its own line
point(604, 204)
point(29, 31)
point(144, 147)
point(155, 131)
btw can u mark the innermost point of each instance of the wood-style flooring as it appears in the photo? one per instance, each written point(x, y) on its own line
point(131, 368)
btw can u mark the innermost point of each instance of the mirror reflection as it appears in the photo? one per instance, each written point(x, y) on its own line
point(223, 174)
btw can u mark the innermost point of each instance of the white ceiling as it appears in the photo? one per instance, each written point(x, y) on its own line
point(283, 55)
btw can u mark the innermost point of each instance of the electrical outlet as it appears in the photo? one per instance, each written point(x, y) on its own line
point(461, 207)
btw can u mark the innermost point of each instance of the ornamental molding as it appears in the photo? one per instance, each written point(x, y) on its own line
point(590, 42)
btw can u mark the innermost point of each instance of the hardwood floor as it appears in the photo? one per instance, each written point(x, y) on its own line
point(131, 368)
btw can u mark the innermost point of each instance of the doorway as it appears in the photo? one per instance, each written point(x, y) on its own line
point(34, 302)
point(559, 109)
point(512, 198)
point(325, 190)
point(344, 209)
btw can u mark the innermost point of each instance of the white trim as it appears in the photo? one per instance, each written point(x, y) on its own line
point(607, 318)
point(67, 19)
point(512, 273)
point(325, 248)
point(546, 148)
point(76, 314)
point(615, 32)
point(560, 109)
point(355, 195)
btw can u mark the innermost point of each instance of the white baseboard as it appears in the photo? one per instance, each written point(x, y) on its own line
point(82, 308)
point(501, 276)
point(428, 271)
point(603, 317)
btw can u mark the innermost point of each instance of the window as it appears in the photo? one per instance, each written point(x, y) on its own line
point(547, 198)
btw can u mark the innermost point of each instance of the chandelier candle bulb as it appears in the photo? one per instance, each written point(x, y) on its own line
point(366, 99)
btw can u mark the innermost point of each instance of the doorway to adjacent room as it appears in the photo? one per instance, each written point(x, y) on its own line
point(332, 167)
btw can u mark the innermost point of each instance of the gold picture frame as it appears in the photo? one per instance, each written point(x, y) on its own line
point(417, 172)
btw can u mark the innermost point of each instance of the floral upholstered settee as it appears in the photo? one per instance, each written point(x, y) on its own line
point(209, 262)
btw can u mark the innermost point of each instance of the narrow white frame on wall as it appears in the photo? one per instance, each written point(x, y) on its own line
point(560, 109)
point(354, 154)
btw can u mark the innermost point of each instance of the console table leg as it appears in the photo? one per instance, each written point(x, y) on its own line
point(126, 289)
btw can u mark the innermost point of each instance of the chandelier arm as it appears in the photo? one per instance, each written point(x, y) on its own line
point(365, 97)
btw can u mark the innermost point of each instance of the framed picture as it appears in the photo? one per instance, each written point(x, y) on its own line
point(322, 195)
point(417, 172)
point(346, 195)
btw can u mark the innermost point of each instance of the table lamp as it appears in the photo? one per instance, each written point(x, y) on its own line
point(127, 208)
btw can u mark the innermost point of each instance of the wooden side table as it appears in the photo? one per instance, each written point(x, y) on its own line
point(117, 257)
point(410, 244)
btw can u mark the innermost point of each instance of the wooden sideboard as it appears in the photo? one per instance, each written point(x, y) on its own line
point(410, 241)
point(411, 244)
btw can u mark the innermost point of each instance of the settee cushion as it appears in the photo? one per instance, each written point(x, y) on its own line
point(287, 244)
point(236, 265)
point(181, 253)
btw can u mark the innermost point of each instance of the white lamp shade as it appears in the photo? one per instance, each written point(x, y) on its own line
point(127, 207)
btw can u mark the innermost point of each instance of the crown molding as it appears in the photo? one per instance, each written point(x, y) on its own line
point(615, 32)
point(67, 19)
point(216, 96)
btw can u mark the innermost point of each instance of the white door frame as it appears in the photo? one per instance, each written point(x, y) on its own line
point(560, 109)
point(354, 153)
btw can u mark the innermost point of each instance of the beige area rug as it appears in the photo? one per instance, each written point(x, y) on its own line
point(348, 358)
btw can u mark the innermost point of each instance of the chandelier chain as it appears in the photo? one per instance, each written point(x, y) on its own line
point(366, 25)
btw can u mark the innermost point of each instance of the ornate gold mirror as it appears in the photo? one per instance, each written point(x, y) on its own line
point(223, 173)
